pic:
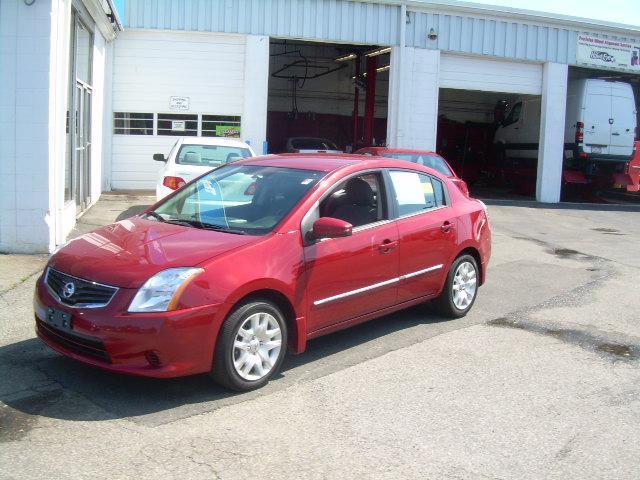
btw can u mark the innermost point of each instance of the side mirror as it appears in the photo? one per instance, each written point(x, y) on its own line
point(327, 227)
point(159, 157)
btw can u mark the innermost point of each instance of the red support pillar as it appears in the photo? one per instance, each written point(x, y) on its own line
point(356, 103)
point(370, 100)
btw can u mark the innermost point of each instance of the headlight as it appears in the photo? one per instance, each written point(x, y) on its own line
point(161, 292)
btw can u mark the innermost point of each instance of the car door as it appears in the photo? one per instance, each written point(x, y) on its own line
point(355, 275)
point(426, 230)
point(623, 114)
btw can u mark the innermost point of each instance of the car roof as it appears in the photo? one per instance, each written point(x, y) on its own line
point(221, 141)
point(323, 162)
point(329, 162)
point(401, 150)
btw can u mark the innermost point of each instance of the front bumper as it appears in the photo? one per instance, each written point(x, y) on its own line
point(162, 345)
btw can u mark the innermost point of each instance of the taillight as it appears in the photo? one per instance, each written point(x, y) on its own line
point(579, 132)
point(174, 183)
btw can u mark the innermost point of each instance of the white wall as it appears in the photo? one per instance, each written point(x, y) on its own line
point(256, 88)
point(413, 113)
point(551, 151)
point(25, 43)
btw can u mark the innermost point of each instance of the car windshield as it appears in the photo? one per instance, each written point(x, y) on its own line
point(210, 155)
point(312, 144)
point(243, 199)
point(431, 161)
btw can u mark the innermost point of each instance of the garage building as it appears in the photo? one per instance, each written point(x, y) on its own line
point(403, 73)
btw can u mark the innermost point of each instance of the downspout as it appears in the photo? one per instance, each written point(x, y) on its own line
point(399, 130)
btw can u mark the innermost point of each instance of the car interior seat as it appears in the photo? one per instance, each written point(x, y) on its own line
point(192, 158)
point(357, 205)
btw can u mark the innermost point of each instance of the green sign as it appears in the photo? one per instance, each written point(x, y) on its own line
point(232, 131)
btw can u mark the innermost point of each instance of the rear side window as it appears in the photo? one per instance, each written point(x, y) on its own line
point(431, 161)
point(416, 192)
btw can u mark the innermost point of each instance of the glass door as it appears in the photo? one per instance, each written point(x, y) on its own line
point(82, 153)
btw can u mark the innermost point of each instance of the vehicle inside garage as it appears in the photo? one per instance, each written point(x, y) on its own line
point(468, 122)
point(491, 139)
point(334, 92)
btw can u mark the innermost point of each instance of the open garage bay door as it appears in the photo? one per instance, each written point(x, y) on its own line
point(489, 75)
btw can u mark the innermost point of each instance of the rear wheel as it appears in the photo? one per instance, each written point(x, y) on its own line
point(251, 346)
point(460, 289)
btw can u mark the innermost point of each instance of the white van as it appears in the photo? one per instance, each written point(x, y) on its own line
point(600, 124)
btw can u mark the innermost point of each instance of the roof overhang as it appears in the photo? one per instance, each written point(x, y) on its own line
point(106, 17)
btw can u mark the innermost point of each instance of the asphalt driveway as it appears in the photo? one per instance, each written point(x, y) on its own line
point(540, 380)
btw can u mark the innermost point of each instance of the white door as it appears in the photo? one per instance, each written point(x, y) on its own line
point(623, 113)
point(490, 75)
point(163, 84)
point(597, 117)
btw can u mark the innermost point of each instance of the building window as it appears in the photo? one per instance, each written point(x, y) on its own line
point(177, 124)
point(220, 126)
point(125, 123)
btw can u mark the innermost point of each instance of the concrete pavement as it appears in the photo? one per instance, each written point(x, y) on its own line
point(540, 380)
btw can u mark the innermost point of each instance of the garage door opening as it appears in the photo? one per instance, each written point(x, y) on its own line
point(491, 140)
point(601, 127)
point(326, 96)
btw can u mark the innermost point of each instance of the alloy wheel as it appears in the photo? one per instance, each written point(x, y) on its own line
point(257, 346)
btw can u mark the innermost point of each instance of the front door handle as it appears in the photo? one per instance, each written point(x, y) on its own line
point(387, 245)
point(446, 226)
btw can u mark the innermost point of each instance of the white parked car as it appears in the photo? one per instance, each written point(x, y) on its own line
point(190, 157)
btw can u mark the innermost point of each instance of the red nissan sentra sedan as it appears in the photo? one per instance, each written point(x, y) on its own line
point(257, 257)
point(422, 157)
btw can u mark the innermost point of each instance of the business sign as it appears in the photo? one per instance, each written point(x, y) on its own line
point(178, 125)
point(608, 53)
point(178, 103)
point(232, 131)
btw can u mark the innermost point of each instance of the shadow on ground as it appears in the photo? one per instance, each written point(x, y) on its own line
point(131, 211)
point(120, 396)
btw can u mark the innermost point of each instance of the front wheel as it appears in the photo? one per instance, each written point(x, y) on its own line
point(251, 346)
point(460, 289)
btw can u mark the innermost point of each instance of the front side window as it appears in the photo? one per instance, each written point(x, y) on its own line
point(243, 199)
point(357, 200)
point(416, 192)
point(432, 161)
point(514, 114)
point(210, 155)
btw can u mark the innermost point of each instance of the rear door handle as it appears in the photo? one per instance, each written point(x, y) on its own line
point(387, 245)
point(616, 134)
point(446, 226)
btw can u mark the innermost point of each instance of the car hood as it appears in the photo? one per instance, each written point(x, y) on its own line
point(127, 253)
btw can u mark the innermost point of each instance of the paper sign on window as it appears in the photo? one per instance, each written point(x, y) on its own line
point(178, 125)
point(409, 190)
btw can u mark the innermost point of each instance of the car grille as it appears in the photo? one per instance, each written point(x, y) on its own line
point(77, 292)
point(85, 346)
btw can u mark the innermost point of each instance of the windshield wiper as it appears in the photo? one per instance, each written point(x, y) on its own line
point(205, 226)
point(155, 215)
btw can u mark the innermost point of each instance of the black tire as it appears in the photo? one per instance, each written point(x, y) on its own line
point(444, 304)
point(224, 371)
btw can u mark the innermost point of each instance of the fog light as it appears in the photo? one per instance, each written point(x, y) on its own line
point(153, 358)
